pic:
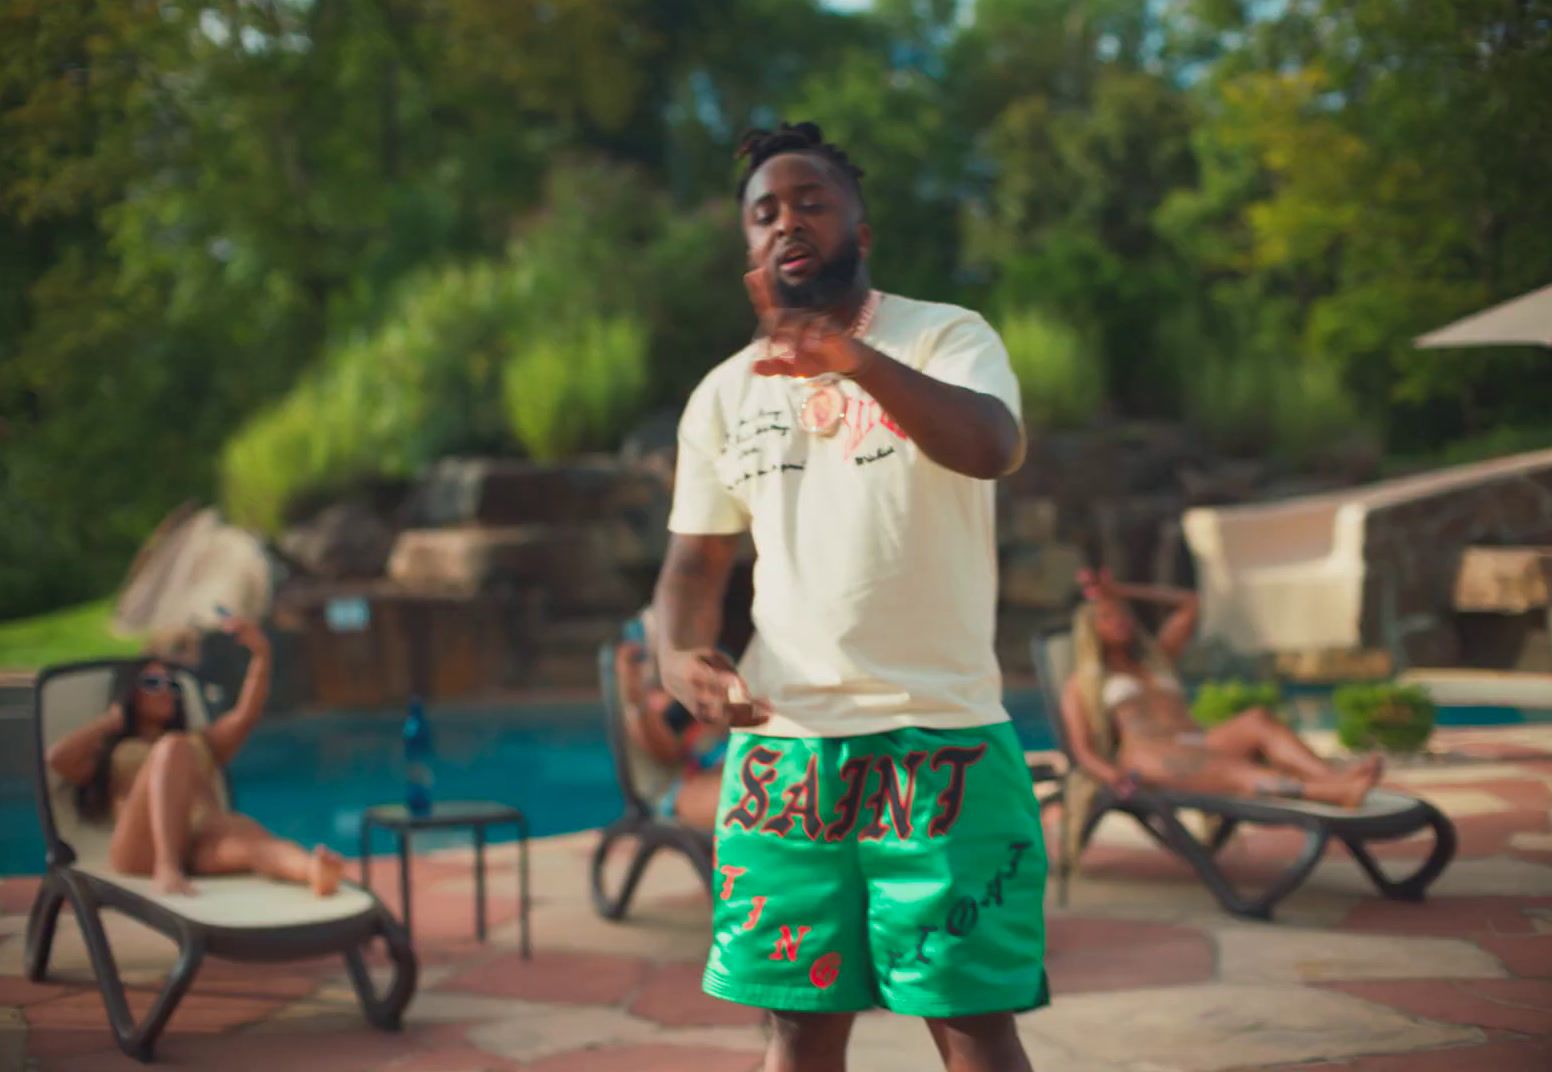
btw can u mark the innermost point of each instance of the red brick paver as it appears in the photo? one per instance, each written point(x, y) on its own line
point(360, 1049)
point(199, 1012)
point(15, 990)
point(65, 1048)
point(1447, 916)
point(648, 1059)
point(640, 1011)
point(446, 1048)
point(1531, 793)
point(1087, 954)
point(1523, 1005)
point(1519, 1055)
point(16, 895)
point(673, 997)
point(566, 978)
point(1528, 955)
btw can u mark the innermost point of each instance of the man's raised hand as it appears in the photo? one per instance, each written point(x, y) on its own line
point(799, 342)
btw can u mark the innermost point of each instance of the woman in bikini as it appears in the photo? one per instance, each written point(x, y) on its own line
point(1129, 722)
point(685, 756)
point(139, 767)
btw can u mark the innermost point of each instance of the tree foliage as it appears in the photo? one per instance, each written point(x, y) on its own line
point(218, 218)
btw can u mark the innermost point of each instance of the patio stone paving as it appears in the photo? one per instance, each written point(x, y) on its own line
point(1148, 974)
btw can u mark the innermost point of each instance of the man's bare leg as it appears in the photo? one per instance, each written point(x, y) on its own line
point(808, 1041)
point(987, 1043)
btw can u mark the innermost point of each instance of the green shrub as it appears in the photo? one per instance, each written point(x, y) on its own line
point(1313, 414)
point(694, 303)
point(1253, 403)
point(1219, 701)
point(1395, 718)
point(424, 384)
point(1061, 380)
point(542, 349)
point(567, 390)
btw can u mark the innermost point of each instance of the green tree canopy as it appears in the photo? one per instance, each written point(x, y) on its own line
point(214, 214)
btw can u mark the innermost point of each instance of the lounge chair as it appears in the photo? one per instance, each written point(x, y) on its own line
point(1383, 816)
point(642, 821)
point(239, 917)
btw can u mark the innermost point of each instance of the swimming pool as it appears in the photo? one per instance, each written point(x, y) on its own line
point(310, 778)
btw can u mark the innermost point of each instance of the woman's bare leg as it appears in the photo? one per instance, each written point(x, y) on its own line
point(235, 844)
point(1259, 734)
point(699, 795)
point(152, 832)
point(1202, 771)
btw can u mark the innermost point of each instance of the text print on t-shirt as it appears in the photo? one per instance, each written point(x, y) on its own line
point(765, 430)
point(860, 417)
point(751, 440)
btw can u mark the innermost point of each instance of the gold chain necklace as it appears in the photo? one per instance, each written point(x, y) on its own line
point(825, 406)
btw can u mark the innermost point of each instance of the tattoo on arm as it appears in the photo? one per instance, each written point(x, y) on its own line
point(959, 428)
point(690, 590)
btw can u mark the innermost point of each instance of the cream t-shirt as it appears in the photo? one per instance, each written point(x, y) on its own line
point(875, 582)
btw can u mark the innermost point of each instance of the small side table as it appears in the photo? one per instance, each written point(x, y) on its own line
point(477, 815)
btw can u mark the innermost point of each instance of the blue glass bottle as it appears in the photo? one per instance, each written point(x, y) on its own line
point(418, 756)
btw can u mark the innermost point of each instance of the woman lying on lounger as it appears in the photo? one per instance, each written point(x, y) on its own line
point(1129, 721)
point(686, 755)
point(140, 767)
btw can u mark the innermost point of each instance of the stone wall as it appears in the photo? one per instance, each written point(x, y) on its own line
point(1112, 496)
point(491, 574)
point(483, 576)
point(486, 575)
point(1412, 553)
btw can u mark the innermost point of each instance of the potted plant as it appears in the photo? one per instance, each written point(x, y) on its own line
point(1384, 715)
point(1219, 701)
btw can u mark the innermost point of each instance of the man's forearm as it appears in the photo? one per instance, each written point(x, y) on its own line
point(960, 429)
point(688, 599)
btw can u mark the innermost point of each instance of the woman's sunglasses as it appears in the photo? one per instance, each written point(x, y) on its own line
point(159, 683)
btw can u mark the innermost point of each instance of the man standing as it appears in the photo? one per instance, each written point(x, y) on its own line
point(878, 842)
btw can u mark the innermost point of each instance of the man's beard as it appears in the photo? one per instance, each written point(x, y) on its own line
point(834, 280)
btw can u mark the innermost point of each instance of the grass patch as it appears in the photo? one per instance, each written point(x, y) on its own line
point(64, 635)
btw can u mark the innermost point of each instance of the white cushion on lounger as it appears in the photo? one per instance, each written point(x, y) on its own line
point(1378, 803)
point(245, 901)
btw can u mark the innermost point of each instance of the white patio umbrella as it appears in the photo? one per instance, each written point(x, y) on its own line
point(1526, 320)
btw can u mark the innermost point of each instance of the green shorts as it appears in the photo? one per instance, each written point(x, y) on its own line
point(902, 869)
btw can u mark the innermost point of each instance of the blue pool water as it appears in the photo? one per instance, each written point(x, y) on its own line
point(310, 778)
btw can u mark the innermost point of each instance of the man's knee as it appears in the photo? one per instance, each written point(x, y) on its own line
point(809, 1031)
point(992, 1025)
point(990, 1039)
